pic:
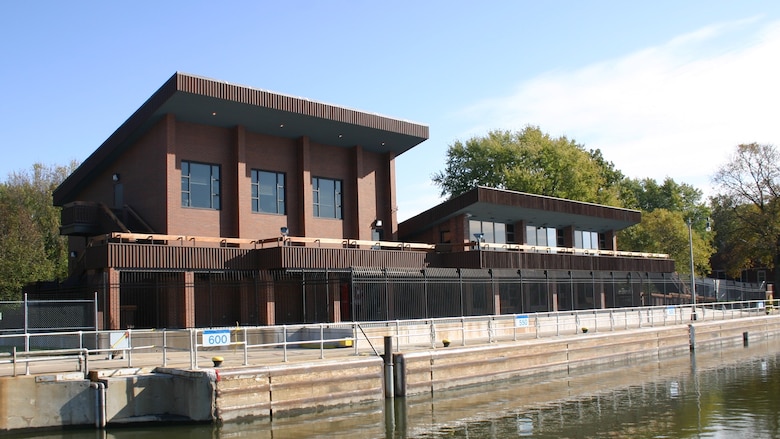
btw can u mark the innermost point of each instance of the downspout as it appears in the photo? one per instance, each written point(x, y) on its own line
point(100, 403)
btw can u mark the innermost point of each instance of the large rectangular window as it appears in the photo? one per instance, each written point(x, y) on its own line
point(199, 185)
point(327, 197)
point(494, 233)
point(268, 192)
point(585, 239)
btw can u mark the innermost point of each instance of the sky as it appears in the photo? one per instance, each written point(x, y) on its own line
point(662, 88)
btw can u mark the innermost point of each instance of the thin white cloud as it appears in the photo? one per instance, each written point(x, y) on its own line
point(674, 110)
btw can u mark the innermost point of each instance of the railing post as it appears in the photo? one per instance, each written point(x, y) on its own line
point(398, 335)
point(284, 341)
point(193, 348)
point(355, 338)
point(576, 322)
point(129, 348)
point(246, 348)
point(537, 326)
point(26, 325)
point(611, 321)
point(433, 334)
point(26, 350)
point(557, 324)
point(462, 331)
point(164, 348)
point(97, 325)
point(322, 342)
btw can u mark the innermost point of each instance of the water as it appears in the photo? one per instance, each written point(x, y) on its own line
point(728, 393)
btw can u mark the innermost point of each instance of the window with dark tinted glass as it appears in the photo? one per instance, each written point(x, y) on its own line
point(327, 197)
point(268, 192)
point(199, 185)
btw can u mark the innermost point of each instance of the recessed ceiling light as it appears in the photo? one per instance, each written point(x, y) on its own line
point(281, 125)
point(341, 135)
point(214, 113)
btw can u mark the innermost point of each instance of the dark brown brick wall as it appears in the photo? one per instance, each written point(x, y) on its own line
point(142, 176)
point(151, 178)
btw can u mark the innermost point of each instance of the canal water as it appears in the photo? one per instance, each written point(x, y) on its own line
point(731, 392)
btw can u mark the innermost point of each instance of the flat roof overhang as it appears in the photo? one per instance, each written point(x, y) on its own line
point(206, 101)
point(508, 207)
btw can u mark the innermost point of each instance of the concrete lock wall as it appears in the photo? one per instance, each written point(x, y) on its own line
point(45, 401)
point(29, 402)
point(281, 389)
point(166, 395)
point(434, 370)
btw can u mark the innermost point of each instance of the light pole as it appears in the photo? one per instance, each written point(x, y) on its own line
point(693, 279)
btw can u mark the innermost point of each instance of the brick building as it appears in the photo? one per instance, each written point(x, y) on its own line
point(216, 204)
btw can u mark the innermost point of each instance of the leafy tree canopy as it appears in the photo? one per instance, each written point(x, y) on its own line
point(747, 209)
point(666, 231)
point(534, 162)
point(529, 161)
point(31, 248)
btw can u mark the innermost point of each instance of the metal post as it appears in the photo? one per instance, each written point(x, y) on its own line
point(26, 325)
point(693, 279)
point(193, 349)
point(388, 357)
point(246, 348)
point(164, 348)
point(96, 321)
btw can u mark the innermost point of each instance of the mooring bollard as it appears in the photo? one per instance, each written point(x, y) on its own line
point(745, 340)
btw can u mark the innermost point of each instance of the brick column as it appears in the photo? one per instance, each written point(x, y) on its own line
point(245, 302)
point(187, 318)
point(334, 307)
point(496, 296)
point(113, 310)
point(305, 206)
point(267, 302)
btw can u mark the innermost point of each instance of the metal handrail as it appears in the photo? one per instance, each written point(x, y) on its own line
point(407, 334)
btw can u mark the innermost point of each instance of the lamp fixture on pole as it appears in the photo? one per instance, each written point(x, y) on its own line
point(479, 237)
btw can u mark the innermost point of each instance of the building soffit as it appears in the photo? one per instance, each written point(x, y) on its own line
point(206, 101)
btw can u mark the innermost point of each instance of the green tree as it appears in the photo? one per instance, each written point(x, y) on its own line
point(647, 195)
point(31, 248)
point(534, 162)
point(529, 161)
point(666, 231)
point(748, 209)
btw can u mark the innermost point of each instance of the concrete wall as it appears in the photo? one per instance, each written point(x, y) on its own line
point(288, 389)
point(29, 402)
point(51, 401)
point(434, 370)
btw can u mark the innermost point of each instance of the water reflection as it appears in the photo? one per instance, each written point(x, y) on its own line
point(713, 394)
point(732, 393)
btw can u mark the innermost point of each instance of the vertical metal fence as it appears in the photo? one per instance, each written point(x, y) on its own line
point(236, 297)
